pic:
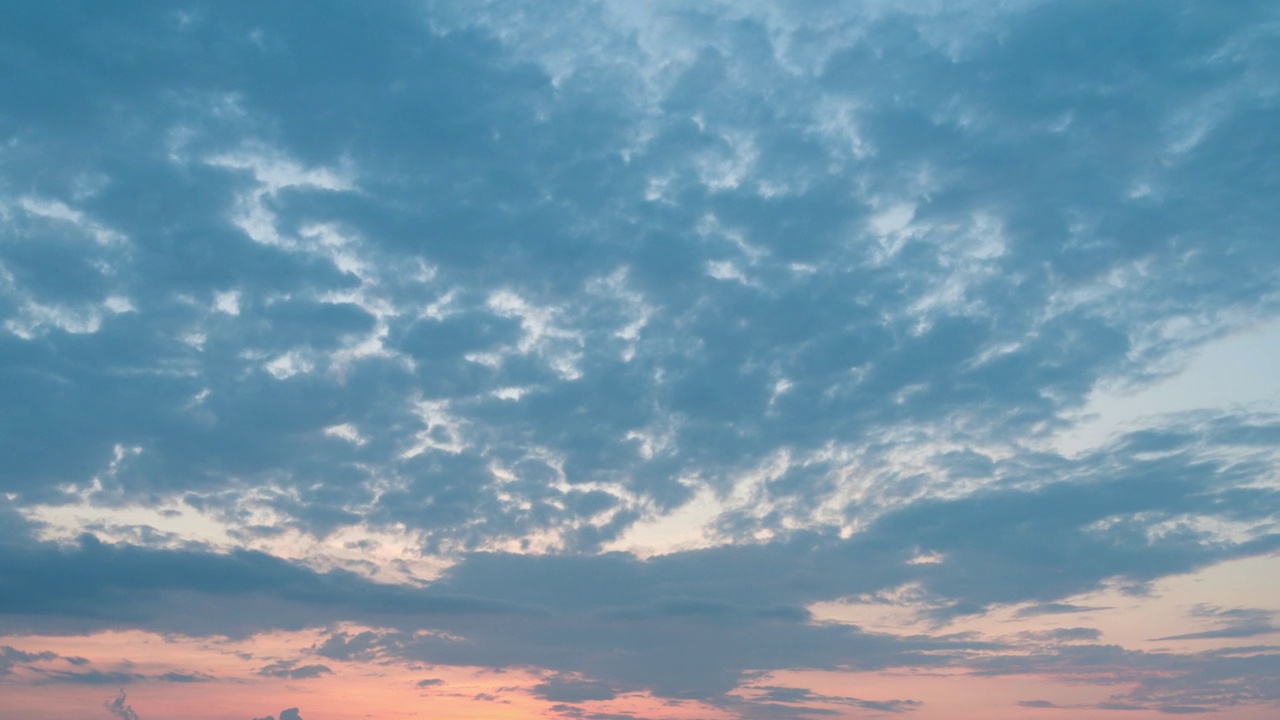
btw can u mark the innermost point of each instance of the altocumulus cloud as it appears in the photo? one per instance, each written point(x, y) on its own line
point(607, 339)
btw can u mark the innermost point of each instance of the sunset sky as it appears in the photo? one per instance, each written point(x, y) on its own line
point(640, 360)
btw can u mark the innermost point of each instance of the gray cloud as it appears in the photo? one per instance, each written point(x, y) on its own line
point(292, 670)
point(1056, 609)
point(10, 656)
point(1158, 680)
point(178, 677)
point(119, 708)
point(563, 689)
point(341, 646)
point(89, 677)
point(778, 700)
point(1063, 635)
point(1234, 623)
point(682, 615)
point(289, 714)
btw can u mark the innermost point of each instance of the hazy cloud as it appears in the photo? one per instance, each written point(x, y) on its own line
point(292, 670)
point(120, 709)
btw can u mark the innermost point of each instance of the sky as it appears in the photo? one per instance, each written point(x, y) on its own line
point(640, 360)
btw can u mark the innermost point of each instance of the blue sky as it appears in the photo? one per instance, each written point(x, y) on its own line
point(652, 350)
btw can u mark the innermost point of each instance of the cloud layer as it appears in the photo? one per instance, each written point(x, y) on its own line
point(611, 339)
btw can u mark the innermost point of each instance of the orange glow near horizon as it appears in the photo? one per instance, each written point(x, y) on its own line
point(375, 688)
point(226, 679)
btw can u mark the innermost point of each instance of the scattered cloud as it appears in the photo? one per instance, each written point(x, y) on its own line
point(608, 341)
point(120, 709)
point(292, 670)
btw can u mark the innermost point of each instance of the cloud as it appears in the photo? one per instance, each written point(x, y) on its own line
point(1238, 631)
point(1157, 680)
point(1234, 623)
point(238, 593)
point(1063, 635)
point(118, 708)
point(564, 689)
point(10, 657)
point(291, 670)
point(35, 663)
point(342, 320)
point(1055, 609)
point(612, 338)
point(341, 646)
point(780, 700)
point(90, 677)
point(511, 616)
point(289, 714)
point(178, 677)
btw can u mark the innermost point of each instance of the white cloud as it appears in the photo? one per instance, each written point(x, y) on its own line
point(294, 362)
point(58, 210)
point(443, 430)
point(227, 302)
point(345, 431)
